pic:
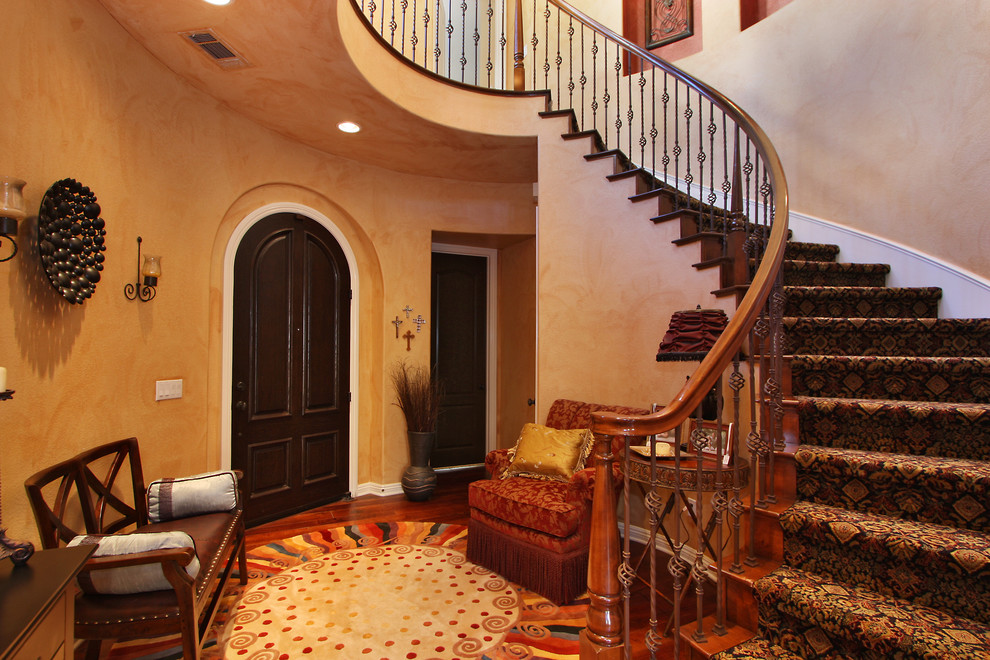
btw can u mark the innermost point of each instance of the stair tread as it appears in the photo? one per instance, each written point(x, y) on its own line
point(877, 404)
point(885, 625)
point(756, 649)
point(918, 536)
point(842, 291)
point(908, 463)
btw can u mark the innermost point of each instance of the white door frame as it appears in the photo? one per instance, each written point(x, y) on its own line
point(227, 325)
point(491, 380)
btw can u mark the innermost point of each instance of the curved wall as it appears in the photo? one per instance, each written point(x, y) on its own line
point(172, 165)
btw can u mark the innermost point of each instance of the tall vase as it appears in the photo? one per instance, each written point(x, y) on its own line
point(419, 480)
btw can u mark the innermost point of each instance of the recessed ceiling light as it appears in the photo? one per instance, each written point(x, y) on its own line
point(348, 127)
point(219, 3)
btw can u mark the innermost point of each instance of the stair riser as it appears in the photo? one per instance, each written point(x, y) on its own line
point(918, 429)
point(859, 303)
point(809, 640)
point(943, 338)
point(810, 273)
point(951, 380)
point(898, 495)
point(797, 251)
point(929, 580)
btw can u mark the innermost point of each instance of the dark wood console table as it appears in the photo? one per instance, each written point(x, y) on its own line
point(37, 604)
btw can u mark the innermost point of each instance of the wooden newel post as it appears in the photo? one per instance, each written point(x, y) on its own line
point(602, 638)
point(518, 68)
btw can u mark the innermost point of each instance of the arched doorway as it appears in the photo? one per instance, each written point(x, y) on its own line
point(290, 359)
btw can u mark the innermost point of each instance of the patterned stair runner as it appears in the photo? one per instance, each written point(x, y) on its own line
point(888, 337)
point(887, 548)
point(862, 301)
point(923, 428)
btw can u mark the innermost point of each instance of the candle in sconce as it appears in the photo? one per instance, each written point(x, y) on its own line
point(3, 379)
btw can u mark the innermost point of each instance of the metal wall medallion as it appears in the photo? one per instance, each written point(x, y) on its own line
point(71, 239)
point(668, 21)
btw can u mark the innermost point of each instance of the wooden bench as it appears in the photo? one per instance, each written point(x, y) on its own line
point(91, 490)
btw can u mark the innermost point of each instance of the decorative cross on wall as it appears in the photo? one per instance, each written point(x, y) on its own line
point(408, 310)
point(397, 322)
point(420, 322)
point(409, 336)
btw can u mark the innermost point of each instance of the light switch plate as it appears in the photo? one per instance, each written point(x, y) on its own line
point(168, 389)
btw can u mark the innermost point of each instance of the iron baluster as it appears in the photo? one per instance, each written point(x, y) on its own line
point(534, 42)
point(570, 62)
point(594, 80)
point(606, 97)
point(653, 129)
point(736, 382)
point(436, 45)
point(463, 59)
point(642, 115)
point(583, 79)
point(476, 36)
point(392, 26)
point(488, 65)
point(559, 60)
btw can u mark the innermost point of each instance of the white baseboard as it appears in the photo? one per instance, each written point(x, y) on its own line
point(381, 490)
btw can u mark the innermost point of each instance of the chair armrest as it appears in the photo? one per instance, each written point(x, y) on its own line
point(182, 556)
point(497, 462)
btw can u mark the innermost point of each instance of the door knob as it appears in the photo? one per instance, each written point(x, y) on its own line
point(241, 405)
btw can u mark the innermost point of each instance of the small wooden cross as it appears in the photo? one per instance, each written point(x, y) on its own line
point(420, 322)
point(409, 336)
point(397, 322)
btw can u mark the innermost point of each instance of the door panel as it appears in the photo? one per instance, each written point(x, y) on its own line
point(459, 341)
point(290, 367)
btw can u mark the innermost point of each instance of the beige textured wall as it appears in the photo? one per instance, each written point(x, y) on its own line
point(168, 163)
point(609, 280)
point(876, 109)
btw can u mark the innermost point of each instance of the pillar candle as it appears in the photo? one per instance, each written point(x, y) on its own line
point(3, 379)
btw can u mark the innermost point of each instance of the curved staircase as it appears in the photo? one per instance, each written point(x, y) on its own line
point(886, 548)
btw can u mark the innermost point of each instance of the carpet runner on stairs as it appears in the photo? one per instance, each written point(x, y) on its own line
point(887, 548)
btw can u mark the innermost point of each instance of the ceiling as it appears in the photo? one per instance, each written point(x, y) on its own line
point(300, 83)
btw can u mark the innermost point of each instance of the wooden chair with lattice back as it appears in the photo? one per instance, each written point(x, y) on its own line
point(88, 495)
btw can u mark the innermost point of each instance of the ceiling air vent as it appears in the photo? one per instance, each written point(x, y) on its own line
point(210, 44)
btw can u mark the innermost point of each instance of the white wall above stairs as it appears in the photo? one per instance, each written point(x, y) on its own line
point(964, 294)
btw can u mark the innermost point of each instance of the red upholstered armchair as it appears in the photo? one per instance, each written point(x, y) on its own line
point(535, 532)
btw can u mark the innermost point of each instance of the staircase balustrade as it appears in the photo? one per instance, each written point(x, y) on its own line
point(713, 170)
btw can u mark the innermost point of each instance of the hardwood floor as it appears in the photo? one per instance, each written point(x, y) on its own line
point(448, 505)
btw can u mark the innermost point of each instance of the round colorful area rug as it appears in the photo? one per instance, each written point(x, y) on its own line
point(540, 630)
point(375, 602)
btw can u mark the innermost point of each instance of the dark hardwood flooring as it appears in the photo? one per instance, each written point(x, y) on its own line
point(449, 505)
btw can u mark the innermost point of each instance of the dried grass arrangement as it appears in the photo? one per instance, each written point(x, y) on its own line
point(417, 393)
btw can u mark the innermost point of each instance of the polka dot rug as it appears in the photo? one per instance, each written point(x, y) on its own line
point(399, 591)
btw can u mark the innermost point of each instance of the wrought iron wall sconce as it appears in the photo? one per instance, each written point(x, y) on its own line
point(11, 210)
point(151, 270)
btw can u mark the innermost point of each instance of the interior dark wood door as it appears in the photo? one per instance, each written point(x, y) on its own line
point(459, 343)
point(291, 356)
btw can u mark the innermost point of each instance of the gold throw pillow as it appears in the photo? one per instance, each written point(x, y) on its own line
point(542, 452)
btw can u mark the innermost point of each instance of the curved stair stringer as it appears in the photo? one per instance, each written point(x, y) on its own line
point(621, 267)
point(715, 281)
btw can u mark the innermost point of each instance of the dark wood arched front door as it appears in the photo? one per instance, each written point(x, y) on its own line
point(290, 367)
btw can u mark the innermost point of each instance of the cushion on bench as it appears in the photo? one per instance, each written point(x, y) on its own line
point(131, 579)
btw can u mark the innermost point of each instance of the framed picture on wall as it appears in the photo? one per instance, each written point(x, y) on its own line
point(668, 21)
